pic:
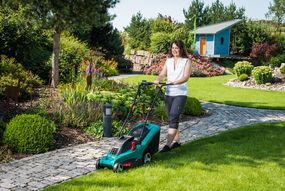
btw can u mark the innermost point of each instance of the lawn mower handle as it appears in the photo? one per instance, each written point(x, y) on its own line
point(144, 82)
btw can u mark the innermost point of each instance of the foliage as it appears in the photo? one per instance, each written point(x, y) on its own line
point(11, 72)
point(77, 110)
point(183, 34)
point(276, 61)
point(215, 13)
point(2, 129)
point(108, 67)
point(160, 111)
point(263, 51)
point(243, 77)
point(243, 67)
point(38, 110)
point(192, 107)
point(250, 32)
point(195, 11)
point(160, 42)
point(29, 134)
point(71, 54)
point(282, 69)
point(62, 15)
point(139, 32)
point(161, 24)
point(277, 9)
point(24, 40)
point(104, 38)
point(262, 74)
point(78, 113)
point(99, 69)
point(96, 129)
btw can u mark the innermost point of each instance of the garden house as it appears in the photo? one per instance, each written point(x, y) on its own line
point(214, 40)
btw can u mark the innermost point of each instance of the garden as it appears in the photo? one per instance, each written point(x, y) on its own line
point(53, 90)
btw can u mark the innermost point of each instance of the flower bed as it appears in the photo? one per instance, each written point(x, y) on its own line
point(201, 67)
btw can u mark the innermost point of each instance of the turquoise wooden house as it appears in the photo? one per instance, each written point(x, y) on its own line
point(214, 40)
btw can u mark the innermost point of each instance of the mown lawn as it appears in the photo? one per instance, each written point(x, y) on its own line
point(212, 89)
point(248, 158)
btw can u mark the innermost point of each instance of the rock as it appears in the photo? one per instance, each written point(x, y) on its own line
point(250, 83)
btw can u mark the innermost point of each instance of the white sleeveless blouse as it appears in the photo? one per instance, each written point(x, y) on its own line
point(174, 74)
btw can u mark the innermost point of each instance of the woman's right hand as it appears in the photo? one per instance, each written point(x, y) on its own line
point(156, 82)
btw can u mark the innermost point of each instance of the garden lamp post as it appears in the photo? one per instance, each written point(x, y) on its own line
point(107, 120)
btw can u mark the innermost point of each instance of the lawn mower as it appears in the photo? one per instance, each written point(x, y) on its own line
point(139, 145)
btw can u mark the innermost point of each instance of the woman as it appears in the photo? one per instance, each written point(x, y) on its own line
point(177, 69)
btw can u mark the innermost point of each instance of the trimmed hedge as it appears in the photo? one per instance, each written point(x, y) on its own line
point(243, 67)
point(29, 134)
point(262, 74)
point(243, 77)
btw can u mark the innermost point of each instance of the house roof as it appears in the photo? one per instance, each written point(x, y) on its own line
point(214, 28)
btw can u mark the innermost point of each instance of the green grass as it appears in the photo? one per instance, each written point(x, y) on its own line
point(212, 89)
point(248, 158)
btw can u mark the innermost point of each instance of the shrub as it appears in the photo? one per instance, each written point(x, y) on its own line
point(11, 72)
point(72, 52)
point(263, 51)
point(37, 110)
point(243, 77)
point(27, 41)
point(192, 107)
point(80, 114)
point(29, 134)
point(107, 67)
point(243, 67)
point(262, 74)
point(282, 69)
point(160, 111)
point(2, 129)
point(160, 42)
point(277, 60)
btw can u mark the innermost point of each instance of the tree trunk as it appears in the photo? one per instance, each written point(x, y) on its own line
point(55, 58)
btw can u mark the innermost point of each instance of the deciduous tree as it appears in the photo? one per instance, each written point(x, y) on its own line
point(63, 15)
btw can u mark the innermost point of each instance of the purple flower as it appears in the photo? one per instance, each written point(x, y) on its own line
point(88, 69)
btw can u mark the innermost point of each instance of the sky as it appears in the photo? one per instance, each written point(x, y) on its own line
point(125, 9)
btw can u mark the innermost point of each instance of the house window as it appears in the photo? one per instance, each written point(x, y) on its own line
point(222, 40)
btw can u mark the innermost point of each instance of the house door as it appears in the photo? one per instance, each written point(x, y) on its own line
point(202, 46)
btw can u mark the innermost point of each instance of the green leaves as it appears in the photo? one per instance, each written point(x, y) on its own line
point(29, 134)
point(262, 74)
point(243, 67)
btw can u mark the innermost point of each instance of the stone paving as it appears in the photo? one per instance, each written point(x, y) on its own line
point(39, 171)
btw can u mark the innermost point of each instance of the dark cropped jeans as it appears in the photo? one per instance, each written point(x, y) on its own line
point(174, 105)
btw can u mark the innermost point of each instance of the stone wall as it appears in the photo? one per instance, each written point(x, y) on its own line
point(142, 59)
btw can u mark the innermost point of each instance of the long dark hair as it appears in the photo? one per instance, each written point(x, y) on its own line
point(180, 44)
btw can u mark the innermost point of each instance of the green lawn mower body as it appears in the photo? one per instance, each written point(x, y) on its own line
point(139, 145)
point(133, 149)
